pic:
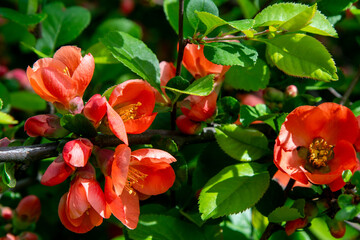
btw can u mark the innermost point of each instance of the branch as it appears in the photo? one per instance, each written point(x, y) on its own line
point(218, 39)
point(351, 88)
point(41, 151)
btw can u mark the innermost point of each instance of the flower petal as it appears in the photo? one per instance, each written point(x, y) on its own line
point(83, 74)
point(153, 155)
point(77, 152)
point(77, 202)
point(120, 167)
point(139, 125)
point(70, 56)
point(96, 197)
point(57, 172)
point(116, 124)
point(95, 109)
point(199, 108)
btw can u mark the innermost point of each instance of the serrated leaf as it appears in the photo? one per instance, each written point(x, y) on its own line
point(233, 189)
point(230, 53)
point(20, 18)
point(277, 14)
point(250, 78)
point(284, 213)
point(241, 144)
point(243, 24)
point(302, 56)
point(153, 226)
point(228, 110)
point(61, 26)
point(27, 101)
point(300, 20)
point(78, 124)
point(108, 92)
point(175, 85)
point(248, 114)
point(200, 87)
point(135, 55)
point(201, 6)
point(7, 119)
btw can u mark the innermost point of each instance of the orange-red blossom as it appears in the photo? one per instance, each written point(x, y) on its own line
point(315, 144)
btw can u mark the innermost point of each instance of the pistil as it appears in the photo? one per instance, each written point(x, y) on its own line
point(320, 153)
point(128, 112)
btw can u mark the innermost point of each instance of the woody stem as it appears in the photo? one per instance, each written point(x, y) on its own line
point(350, 88)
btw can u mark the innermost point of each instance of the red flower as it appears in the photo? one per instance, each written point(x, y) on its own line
point(134, 101)
point(84, 206)
point(167, 72)
point(29, 209)
point(196, 63)
point(316, 144)
point(132, 176)
point(188, 126)
point(77, 152)
point(199, 108)
point(45, 125)
point(57, 172)
point(62, 80)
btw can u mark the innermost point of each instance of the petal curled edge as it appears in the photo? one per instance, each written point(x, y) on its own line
point(83, 74)
point(70, 56)
point(289, 162)
point(153, 155)
point(120, 167)
point(124, 207)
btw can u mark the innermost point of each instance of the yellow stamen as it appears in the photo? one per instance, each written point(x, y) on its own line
point(320, 152)
point(66, 71)
point(134, 176)
point(128, 112)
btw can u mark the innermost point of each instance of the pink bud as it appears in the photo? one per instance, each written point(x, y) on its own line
point(29, 209)
point(95, 109)
point(188, 126)
point(20, 76)
point(77, 152)
point(45, 125)
point(8, 236)
point(6, 213)
point(4, 142)
point(291, 91)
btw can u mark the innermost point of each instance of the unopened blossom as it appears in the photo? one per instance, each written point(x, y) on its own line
point(45, 125)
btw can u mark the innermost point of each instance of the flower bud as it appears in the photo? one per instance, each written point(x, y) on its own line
point(45, 125)
point(291, 91)
point(6, 213)
point(95, 109)
point(199, 108)
point(8, 236)
point(291, 226)
point(4, 142)
point(337, 228)
point(77, 152)
point(28, 209)
point(20, 76)
point(188, 126)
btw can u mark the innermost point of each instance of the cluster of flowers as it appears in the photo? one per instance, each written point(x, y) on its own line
point(26, 214)
point(129, 176)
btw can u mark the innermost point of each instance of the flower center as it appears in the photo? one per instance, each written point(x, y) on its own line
point(128, 112)
point(66, 71)
point(133, 177)
point(319, 153)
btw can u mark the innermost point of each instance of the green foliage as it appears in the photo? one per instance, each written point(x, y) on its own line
point(7, 171)
point(233, 189)
point(284, 213)
point(241, 144)
point(273, 198)
point(101, 54)
point(334, 7)
point(174, 87)
point(27, 101)
point(299, 21)
point(228, 110)
point(248, 114)
point(134, 54)
point(78, 124)
point(200, 87)
point(308, 57)
point(230, 53)
point(277, 14)
point(61, 26)
point(248, 8)
point(7, 119)
point(201, 6)
point(21, 18)
point(28, 6)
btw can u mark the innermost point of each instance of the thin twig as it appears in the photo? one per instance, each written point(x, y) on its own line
point(218, 39)
point(350, 88)
point(41, 151)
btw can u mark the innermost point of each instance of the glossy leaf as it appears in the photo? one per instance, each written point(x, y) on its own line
point(241, 144)
point(250, 78)
point(8, 174)
point(233, 189)
point(308, 57)
point(174, 87)
point(277, 14)
point(78, 124)
point(201, 6)
point(248, 114)
point(21, 18)
point(228, 110)
point(101, 54)
point(299, 21)
point(230, 53)
point(27, 101)
point(7, 119)
point(28, 6)
point(200, 87)
point(171, 9)
point(135, 55)
point(284, 213)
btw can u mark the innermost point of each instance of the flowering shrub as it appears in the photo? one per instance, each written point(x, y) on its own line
point(248, 127)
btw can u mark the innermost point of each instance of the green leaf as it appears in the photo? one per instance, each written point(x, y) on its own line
point(7, 119)
point(228, 110)
point(242, 25)
point(355, 108)
point(284, 213)
point(241, 144)
point(247, 8)
point(201, 6)
point(28, 6)
point(345, 200)
point(346, 175)
point(239, 77)
point(20, 18)
point(135, 55)
point(1, 103)
point(171, 9)
point(174, 87)
point(230, 53)
point(299, 21)
point(61, 26)
point(277, 14)
point(302, 56)
point(233, 189)
point(334, 7)
point(8, 175)
point(273, 198)
point(248, 114)
point(153, 226)
point(78, 124)
point(101, 54)
point(117, 24)
point(200, 87)
point(27, 101)
point(356, 179)
point(347, 213)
